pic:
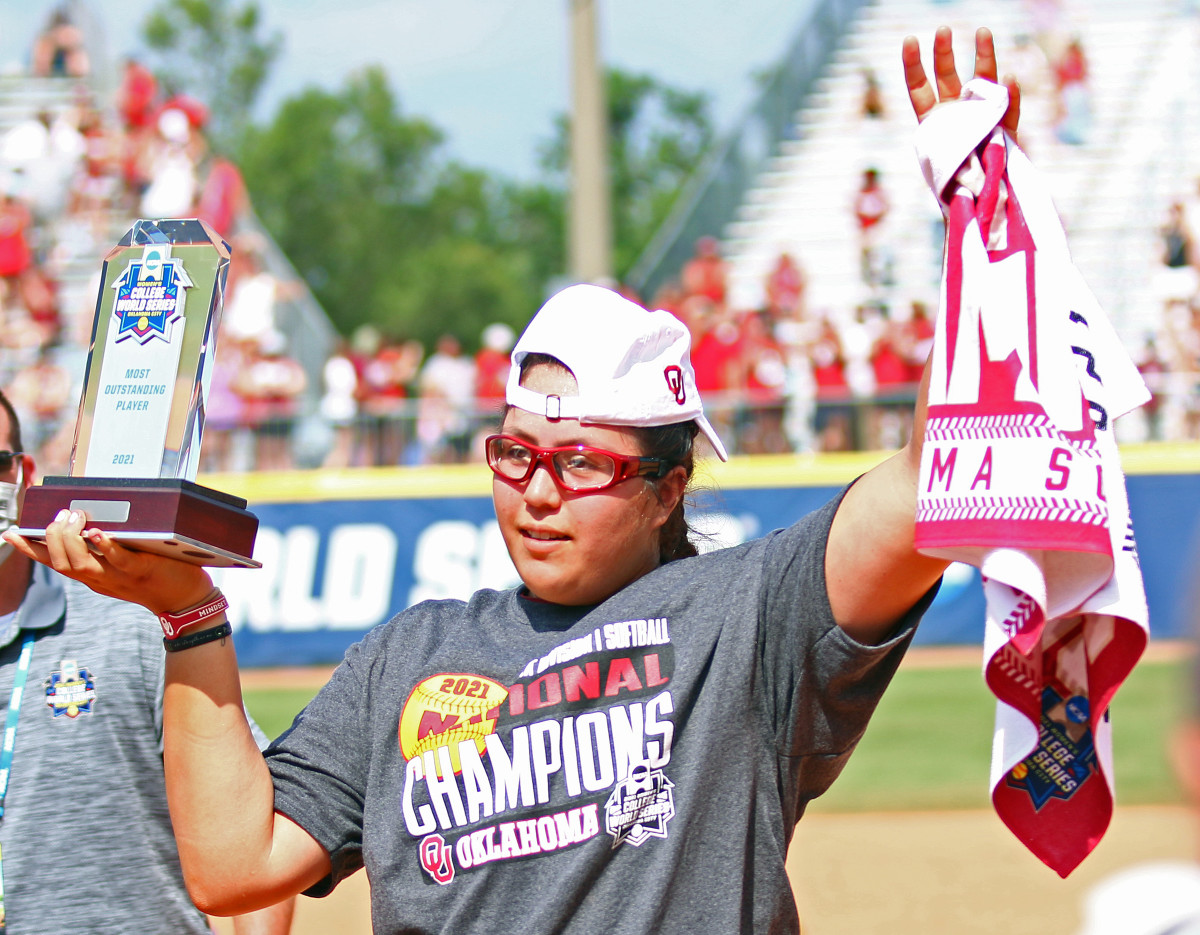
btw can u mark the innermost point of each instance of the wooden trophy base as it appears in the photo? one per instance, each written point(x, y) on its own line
point(163, 515)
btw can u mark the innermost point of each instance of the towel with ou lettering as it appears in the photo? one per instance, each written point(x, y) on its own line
point(1020, 477)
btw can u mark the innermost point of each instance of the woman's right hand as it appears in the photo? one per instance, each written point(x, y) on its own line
point(91, 556)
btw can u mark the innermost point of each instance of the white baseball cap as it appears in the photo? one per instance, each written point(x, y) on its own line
point(632, 366)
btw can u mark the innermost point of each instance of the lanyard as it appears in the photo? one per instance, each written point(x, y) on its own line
point(10, 741)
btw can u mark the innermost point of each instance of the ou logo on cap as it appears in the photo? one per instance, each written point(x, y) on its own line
point(674, 377)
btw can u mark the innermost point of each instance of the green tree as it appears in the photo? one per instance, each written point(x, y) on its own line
point(216, 52)
point(658, 136)
point(381, 227)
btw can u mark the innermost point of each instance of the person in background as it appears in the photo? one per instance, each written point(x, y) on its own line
point(60, 52)
point(705, 273)
point(871, 206)
point(270, 385)
point(85, 842)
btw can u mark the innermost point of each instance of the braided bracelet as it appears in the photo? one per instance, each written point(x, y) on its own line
point(191, 640)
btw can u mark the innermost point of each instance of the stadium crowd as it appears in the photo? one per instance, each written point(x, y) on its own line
point(784, 377)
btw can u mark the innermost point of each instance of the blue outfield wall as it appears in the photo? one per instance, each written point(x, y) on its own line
point(343, 551)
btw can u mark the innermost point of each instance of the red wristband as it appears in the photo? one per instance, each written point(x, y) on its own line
point(175, 624)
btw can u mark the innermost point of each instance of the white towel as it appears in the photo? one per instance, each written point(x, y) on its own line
point(1020, 476)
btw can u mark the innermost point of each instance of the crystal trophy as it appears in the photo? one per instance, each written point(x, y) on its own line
point(141, 415)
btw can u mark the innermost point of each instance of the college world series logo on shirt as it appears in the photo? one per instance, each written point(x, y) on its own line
point(70, 690)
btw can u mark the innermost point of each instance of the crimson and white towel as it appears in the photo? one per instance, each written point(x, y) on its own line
point(1020, 476)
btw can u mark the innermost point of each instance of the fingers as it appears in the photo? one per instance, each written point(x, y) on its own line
point(1012, 116)
point(985, 54)
point(34, 550)
point(948, 83)
point(67, 549)
point(924, 95)
point(920, 92)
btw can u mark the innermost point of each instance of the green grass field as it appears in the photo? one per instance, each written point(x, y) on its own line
point(929, 745)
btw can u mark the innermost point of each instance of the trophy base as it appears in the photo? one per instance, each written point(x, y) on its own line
point(170, 517)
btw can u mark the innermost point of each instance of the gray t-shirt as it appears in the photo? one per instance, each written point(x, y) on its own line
point(634, 767)
point(86, 838)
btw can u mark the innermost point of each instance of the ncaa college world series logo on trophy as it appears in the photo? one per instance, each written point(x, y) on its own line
point(141, 417)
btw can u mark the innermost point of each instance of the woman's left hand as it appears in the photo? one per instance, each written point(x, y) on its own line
point(924, 96)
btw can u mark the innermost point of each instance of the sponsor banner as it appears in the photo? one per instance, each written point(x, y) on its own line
point(342, 554)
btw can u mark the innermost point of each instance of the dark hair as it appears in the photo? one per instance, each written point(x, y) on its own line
point(14, 429)
point(674, 444)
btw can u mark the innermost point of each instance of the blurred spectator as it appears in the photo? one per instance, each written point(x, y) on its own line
point(387, 369)
point(785, 288)
point(43, 395)
point(94, 188)
point(714, 358)
point(918, 340)
point(763, 379)
point(270, 385)
point(1182, 351)
point(339, 405)
point(42, 152)
point(872, 100)
point(222, 199)
point(254, 293)
point(1154, 371)
point(137, 96)
point(171, 191)
point(16, 255)
point(1074, 96)
point(59, 51)
point(704, 274)
point(447, 396)
point(225, 420)
point(195, 110)
point(890, 418)
point(491, 370)
point(1177, 279)
point(1028, 62)
point(834, 421)
point(871, 206)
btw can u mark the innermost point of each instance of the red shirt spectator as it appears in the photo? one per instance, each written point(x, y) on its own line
point(785, 286)
point(715, 346)
point(222, 196)
point(704, 273)
point(136, 96)
point(193, 109)
point(829, 364)
point(888, 364)
point(15, 254)
point(871, 202)
point(491, 366)
point(918, 343)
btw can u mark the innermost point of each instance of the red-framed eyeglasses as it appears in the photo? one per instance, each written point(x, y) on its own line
point(576, 468)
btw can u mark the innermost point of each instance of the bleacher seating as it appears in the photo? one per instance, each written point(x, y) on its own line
point(1112, 192)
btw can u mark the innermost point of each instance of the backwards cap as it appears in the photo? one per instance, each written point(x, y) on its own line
point(632, 366)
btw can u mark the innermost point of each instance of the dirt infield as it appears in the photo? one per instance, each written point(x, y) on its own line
point(903, 874)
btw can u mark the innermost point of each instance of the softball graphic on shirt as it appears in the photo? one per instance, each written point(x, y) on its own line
point(446, 709)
